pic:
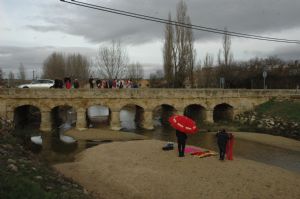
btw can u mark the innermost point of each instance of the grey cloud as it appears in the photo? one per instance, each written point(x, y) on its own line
point(287, 53)
point(42, 28)
point(33, 57)
point(255, 16)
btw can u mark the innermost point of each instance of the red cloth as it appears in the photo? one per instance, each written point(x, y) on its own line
point(229, 147)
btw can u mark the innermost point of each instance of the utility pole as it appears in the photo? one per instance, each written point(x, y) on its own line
point(33, 74)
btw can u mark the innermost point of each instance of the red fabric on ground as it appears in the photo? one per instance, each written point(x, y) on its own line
point(229, 148)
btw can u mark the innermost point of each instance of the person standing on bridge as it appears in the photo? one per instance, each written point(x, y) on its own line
point(76, 84)
point(91, 81)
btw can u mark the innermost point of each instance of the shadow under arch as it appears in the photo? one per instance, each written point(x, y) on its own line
point(63, 114)
point(98, 116)
point(196, 112)
point(161, 115)
point(223, 113)
point(131, 117)
point(27, 116)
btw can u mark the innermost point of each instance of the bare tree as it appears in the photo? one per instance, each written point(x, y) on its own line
point(77, 66)
point(11, 79)
point(183, 46)
point(135, 72)
point(198, 74)
point(227, 54)
point(112, 61)
point(167, 53)
point(208, 60)
point(219, 57)
point(156, 79)
point(1, 78)
point(59, 66)
point(22, 74)
point(179, 54)
point(54, 66)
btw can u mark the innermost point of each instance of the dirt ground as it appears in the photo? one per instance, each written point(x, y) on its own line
point(140, 169)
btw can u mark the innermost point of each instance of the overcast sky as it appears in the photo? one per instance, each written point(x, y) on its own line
point(30, 30)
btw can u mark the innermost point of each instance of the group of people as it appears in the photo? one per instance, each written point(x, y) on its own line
point(95, 83)
point(66, 83)
point(225, 143)
point(111, 83)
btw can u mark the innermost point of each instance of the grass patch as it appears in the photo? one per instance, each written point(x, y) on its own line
point(287, 110)
point(32, 178)
point(13, 187)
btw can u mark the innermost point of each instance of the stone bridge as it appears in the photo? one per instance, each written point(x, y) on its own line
point(209, 104)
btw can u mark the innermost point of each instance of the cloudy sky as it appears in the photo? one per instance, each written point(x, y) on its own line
point(30, 30)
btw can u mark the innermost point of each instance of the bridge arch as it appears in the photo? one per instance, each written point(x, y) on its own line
point(61, 114)
point(98, 116)
point(27, 115)
point(223, 112)
point(161, 114)
point(131, 116)
point(196, 112)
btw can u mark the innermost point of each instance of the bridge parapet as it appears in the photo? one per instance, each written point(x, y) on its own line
point(144, 93)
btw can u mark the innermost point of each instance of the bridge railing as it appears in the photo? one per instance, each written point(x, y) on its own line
point(146, 93)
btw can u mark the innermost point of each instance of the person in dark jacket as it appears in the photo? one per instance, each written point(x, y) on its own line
point(222, 137)
point(181, 139)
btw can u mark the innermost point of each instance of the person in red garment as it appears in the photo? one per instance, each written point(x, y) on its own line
point(229, 147)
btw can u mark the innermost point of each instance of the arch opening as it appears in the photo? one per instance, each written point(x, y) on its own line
point(27, 116)
point(196, 112)
point(63, 115)
point(161, 115)
point(131, 117)
point(223, 113)
point(98, 116)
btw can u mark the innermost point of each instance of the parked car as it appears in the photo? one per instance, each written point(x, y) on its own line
point(39, 83)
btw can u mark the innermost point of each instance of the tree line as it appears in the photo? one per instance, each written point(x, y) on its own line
point(181, 70)
point(111, 62)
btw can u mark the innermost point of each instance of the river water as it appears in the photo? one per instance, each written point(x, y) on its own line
point(57, 151)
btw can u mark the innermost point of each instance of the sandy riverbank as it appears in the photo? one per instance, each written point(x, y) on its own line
point(140, 169)
point(277, 141)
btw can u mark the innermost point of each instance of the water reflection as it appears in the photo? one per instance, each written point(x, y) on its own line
point(56, 151)
point(127, 117)
point(98, 116)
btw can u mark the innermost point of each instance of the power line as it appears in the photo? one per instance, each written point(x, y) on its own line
point(175, 23)
point(164, 21)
